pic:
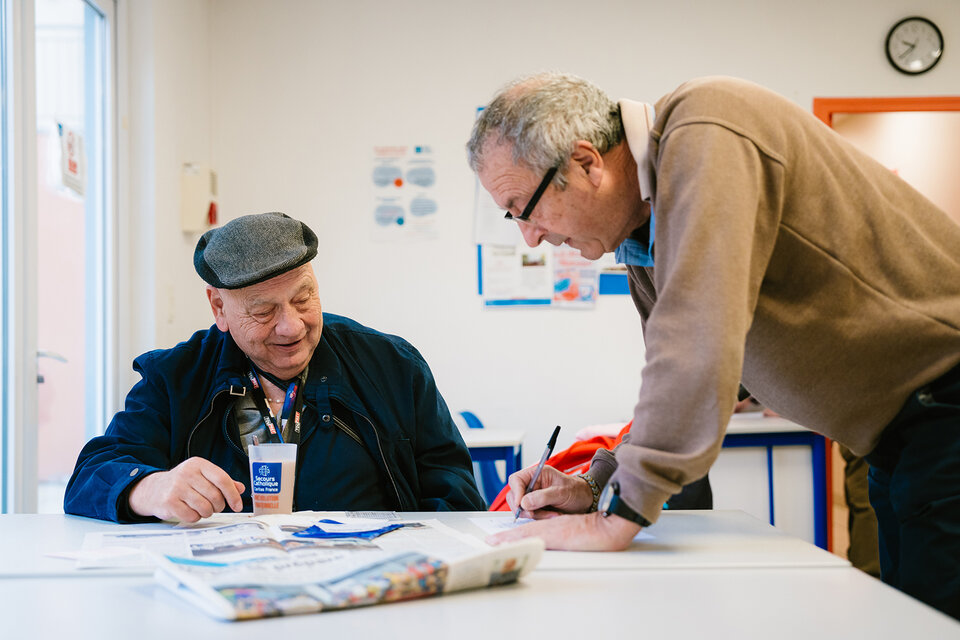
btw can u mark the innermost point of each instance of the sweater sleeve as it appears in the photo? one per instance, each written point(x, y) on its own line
point(717, 203)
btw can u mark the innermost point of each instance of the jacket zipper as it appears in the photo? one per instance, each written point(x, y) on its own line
point(196, 426)
point(386, 466)
point(226, 434)
point(343, 426)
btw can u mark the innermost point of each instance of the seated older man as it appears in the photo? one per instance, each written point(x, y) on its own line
point(372, 429)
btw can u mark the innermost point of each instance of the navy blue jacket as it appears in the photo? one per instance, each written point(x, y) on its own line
point(179, 409)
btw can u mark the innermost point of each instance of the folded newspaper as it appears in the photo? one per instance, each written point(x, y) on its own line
point(257, 567)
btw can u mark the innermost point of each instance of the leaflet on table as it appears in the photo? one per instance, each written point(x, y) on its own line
point(251, 572)
point(244, 536)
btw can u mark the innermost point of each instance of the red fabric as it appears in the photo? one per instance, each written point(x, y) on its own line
point(572, 460)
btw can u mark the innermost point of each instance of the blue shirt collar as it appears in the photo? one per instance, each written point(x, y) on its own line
point(635, 251)
point(638, 119)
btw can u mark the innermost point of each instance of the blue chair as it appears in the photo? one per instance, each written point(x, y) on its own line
point(491, 482)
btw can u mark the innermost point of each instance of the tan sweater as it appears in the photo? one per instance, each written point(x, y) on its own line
point(785, 258)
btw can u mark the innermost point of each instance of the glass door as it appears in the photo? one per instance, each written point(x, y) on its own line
point(72, 137)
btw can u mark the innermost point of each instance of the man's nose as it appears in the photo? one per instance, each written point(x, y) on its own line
point(288, 321)
point(532, 233)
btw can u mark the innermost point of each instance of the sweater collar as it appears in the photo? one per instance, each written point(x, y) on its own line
point(638, 118)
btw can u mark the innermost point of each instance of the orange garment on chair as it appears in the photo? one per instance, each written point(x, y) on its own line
point(572, 460)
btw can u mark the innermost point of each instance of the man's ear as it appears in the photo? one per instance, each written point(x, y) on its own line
point(215, 297)
point(588, 159)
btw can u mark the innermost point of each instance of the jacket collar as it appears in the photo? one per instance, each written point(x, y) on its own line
point(326, 378)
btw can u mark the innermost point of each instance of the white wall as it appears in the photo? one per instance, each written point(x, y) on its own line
point(168, 80)
point(288, 98)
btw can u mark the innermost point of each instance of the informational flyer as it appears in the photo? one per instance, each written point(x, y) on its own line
point(576, 280)
point(512, 275)
point(404, 179)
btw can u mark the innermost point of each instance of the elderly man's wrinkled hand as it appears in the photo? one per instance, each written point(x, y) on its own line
point(581, 532)
point(555, 491)
point(194, 489)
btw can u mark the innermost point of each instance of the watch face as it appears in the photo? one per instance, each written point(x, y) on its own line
point(914, 45)
point(606, 497)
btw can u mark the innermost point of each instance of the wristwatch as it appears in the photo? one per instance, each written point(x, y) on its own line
point(611, 504)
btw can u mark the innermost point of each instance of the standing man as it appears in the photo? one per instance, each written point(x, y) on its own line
point(763, 248)
point(372, 430)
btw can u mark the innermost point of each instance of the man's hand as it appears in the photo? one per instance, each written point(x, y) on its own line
point(554, 489)
point(586, 532)
point(196, 488)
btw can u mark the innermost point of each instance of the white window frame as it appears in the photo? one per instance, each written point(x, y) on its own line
point(20, 273)
point(19, 269)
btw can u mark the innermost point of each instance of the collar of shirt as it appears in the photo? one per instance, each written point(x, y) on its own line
point(638, 120)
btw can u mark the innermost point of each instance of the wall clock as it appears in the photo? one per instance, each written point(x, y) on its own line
point(914, 45)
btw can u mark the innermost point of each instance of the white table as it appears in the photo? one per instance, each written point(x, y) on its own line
point(623, 597)
point(700, 540)
point(680, 539)
point(746, 603)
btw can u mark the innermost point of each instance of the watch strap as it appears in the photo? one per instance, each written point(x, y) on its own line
point(620, 508)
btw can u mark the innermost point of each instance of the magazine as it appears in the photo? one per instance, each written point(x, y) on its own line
point(285, 565)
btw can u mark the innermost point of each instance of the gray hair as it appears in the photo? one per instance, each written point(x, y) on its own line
point(543, 116)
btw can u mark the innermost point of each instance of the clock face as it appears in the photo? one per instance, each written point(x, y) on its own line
point(914, 45)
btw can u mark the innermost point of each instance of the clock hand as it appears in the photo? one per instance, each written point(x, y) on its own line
point(912, 46)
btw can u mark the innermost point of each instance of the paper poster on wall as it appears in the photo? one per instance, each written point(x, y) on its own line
point(404, 179)
point(576, 280)
point(489, 226)
point(513, 275)
point(72, 163)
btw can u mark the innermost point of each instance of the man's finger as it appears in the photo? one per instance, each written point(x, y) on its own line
point(541, 498)
point(200, 503)
point(518, 485)
point(226, 486)
point(179, 510)
point(240, 488)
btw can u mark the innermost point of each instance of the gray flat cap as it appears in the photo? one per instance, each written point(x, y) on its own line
point(252, 249)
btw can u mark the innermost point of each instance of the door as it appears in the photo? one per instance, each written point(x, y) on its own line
point(59, 251)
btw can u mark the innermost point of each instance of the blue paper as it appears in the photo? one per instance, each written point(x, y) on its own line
point(338, 531)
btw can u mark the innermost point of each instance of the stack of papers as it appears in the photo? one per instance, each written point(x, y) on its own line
point(250, 567)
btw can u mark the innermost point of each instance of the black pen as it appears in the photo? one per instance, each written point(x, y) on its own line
point(536, 474)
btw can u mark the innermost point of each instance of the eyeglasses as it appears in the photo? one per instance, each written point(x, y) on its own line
point(528, 210)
